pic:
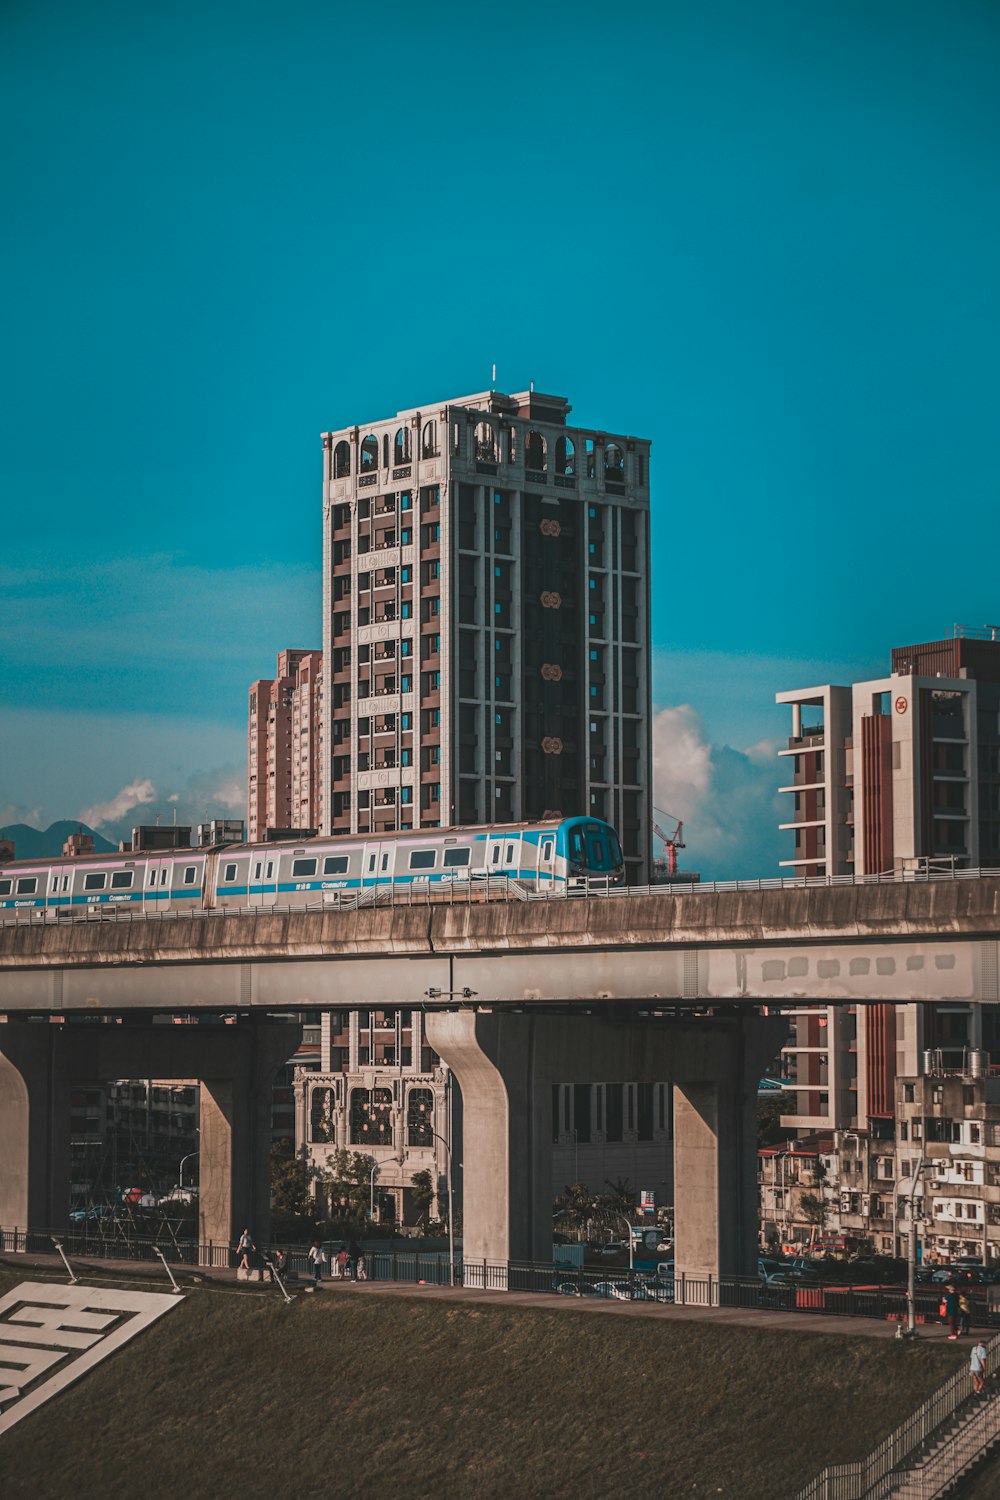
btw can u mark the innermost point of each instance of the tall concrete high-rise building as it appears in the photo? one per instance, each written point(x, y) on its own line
point(284, 739)
point(486, 620)
point(897, 774)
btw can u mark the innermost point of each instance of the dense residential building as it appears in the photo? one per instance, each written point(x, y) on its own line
point(486, 620)
point(284, 741)
point(893, 775)
point(851, 1191)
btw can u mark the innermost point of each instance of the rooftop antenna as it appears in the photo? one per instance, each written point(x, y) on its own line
point(531, 385)
point(494, 385)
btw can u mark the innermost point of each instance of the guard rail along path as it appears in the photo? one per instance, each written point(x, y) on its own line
point(899, 1468)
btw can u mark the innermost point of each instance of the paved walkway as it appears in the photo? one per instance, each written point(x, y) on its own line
point(739, 1317)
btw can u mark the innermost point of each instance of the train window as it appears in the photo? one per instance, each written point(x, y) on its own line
point(27, 885)
point(269, 872)
point(121, 880)
point(55, 883)
point(509, 856)
point(547, 847)
point(256, 870)
point(457, 856)
point(576, 845)
point(336, 864)
point(496, 849)
point(163, 875)
point(5, 887)
point(385, 862)
point(301, 867)
point(596, 852)
point(91, 882)
point(152, 878)
point(371, 862)
point(422, 859)
point(230, 873)
point(65, 884)
point(190, 871)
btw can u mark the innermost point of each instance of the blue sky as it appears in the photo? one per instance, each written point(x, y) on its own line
point(764, 236)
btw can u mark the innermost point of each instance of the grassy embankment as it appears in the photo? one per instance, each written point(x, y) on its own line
point(350, 1394)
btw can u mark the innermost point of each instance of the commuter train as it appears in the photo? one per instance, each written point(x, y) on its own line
point(555, 856)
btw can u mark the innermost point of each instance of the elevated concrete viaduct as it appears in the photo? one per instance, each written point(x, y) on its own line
point(494, 969)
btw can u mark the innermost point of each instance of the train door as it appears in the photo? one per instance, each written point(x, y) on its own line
point(546, 861)
point(512, 856)
point(370, 864)
point(262, 886)
point(494, 854)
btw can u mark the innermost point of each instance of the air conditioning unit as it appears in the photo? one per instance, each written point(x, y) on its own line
point(865, 1205)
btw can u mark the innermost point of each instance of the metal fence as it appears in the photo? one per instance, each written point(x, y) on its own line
point(876, 1476)
point(95, 1240)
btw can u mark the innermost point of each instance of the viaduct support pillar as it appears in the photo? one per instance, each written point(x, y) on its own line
point(34, 1127)
point(506, 1065)
point(235, 1139)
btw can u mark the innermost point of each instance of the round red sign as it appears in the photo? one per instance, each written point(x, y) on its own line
point(901, 705)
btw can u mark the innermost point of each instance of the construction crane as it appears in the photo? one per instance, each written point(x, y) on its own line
point(672, 842)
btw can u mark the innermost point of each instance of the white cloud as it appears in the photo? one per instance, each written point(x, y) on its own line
point(727, 799)
point(12, 814)
point(134, 795)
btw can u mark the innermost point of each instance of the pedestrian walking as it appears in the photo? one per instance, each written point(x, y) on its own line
point(977, 1367)
point(951, 1310)
point(964, 1313)
point(352, 1259)
point(315, 1259)
point(362, 1270)
point(342, 1263)
point(243, 1249)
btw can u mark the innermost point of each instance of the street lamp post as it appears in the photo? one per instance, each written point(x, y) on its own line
point(451, 1211)
point(628, 1225)
point(371, 1192)
point(180, 1170)
point(911, 1269)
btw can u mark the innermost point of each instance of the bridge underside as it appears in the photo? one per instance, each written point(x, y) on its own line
point(236, 1065)
point(506, 1065)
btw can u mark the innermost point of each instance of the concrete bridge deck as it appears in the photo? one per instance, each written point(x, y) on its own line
point(938, 940)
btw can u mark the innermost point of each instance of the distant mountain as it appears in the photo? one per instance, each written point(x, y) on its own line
point(33, 843)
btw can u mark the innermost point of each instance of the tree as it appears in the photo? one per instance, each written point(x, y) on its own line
point(290, 1188)
point(422, 1186)
point(347, 1180)
point(770, 1108)
point(812, 1208)
point(620, 1198)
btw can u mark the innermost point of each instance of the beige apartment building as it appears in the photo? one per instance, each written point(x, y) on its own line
point(284, 746)
point(486, 620)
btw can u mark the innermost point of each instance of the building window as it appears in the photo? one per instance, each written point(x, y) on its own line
point(369, 454)
point(420, 1117)
point(341, 460)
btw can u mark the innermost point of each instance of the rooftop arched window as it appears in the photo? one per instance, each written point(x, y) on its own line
point(486, 443)
point(429, 446)
point(565, 456)
point(341, 460)
point(401, 446)
point(535, 452)
point(614, 462)
point(369, 454)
